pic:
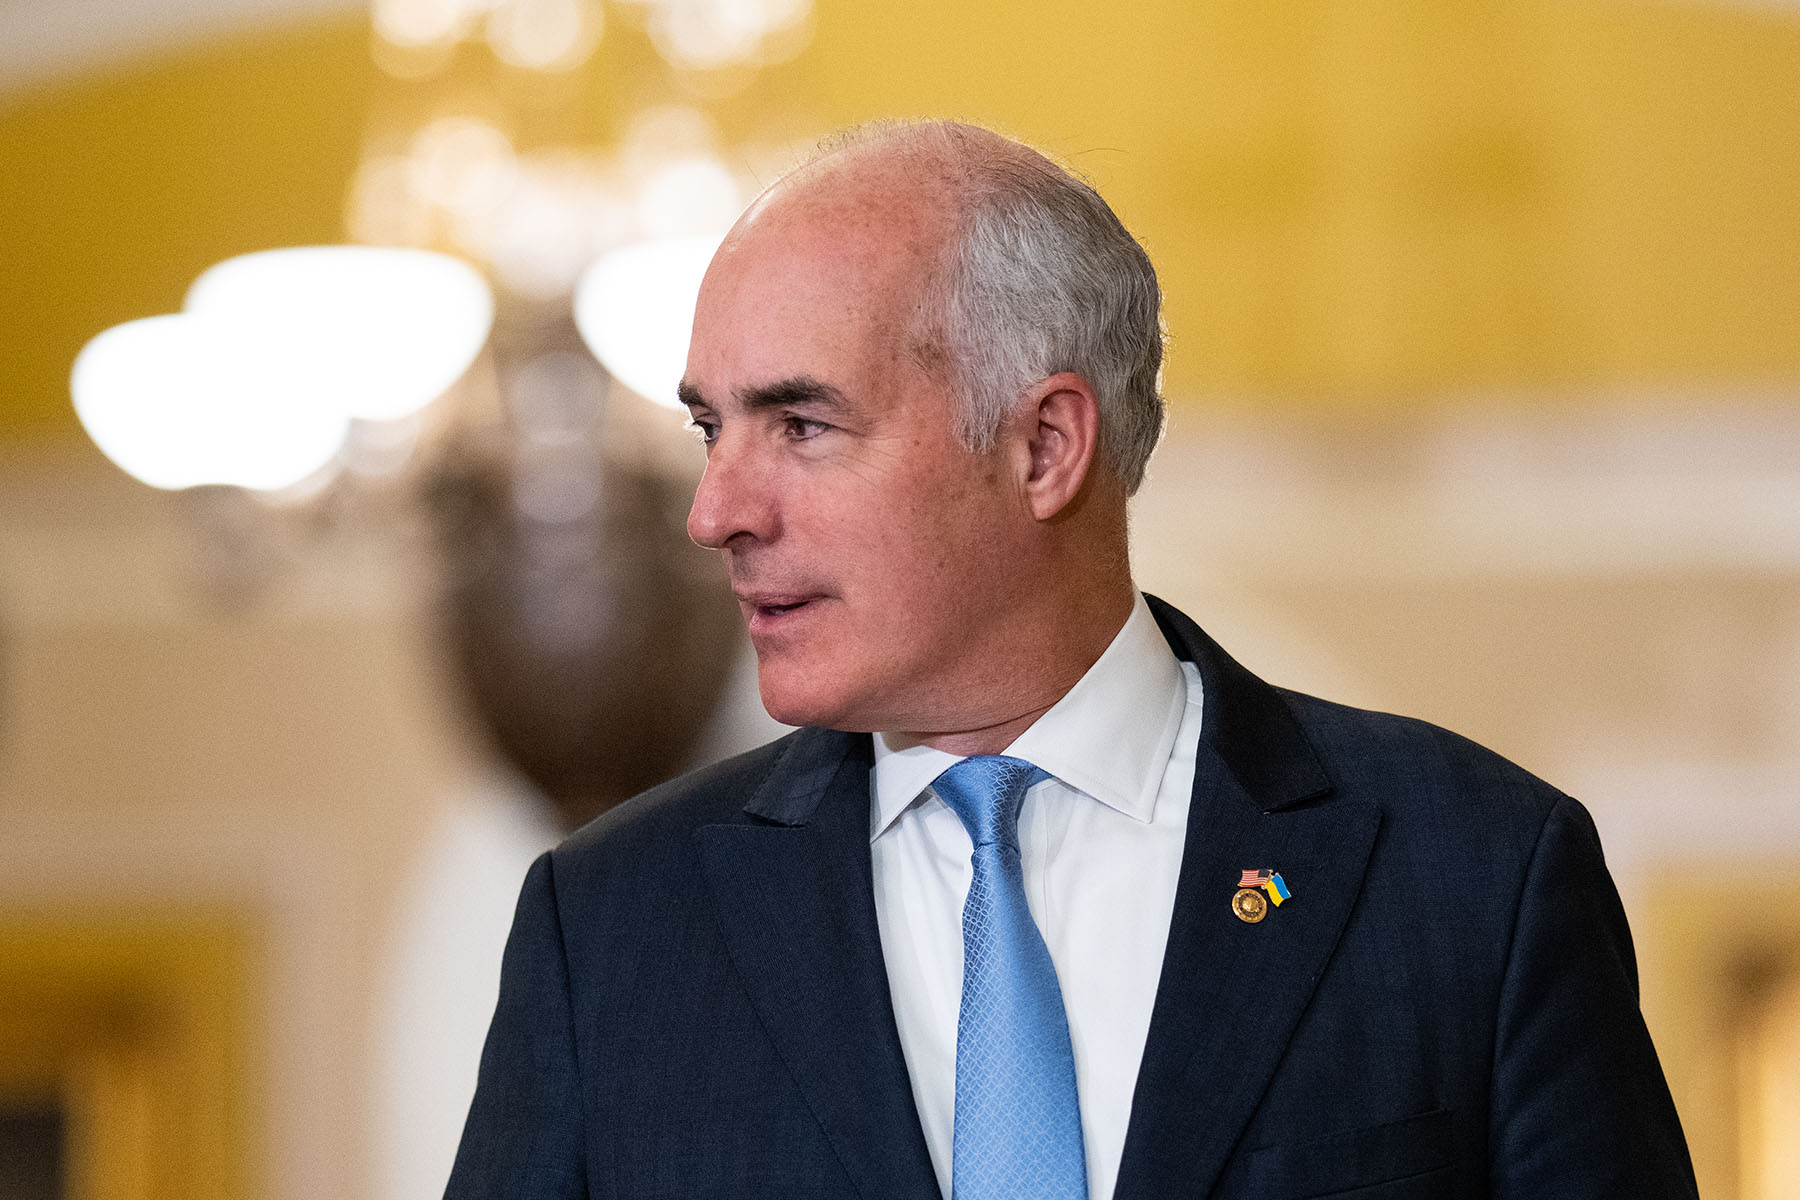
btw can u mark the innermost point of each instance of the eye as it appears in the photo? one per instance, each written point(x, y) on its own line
point(706, 431)
point(801, 429)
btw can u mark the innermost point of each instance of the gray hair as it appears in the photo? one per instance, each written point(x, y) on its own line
point(1039, 277)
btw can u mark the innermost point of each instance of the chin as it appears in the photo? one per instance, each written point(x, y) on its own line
point(793, 696)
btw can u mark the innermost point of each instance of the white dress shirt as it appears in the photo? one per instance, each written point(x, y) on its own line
point(1101, 846)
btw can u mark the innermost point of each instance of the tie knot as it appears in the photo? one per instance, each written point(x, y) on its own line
point(985, 792)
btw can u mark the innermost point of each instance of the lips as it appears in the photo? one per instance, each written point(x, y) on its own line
point(766, 611)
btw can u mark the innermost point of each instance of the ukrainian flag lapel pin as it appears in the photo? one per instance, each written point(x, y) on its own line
point(1257, 890)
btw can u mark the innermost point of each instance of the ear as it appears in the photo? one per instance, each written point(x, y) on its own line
point(1060, 427)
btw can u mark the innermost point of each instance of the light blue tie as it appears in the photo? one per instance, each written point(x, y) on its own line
point(1018, 1127)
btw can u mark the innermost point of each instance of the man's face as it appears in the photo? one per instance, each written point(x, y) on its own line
point(865, 545)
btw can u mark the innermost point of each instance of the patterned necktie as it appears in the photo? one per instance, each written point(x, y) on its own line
point(1018, 1127)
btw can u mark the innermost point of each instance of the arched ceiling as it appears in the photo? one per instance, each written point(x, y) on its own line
point(49, 40)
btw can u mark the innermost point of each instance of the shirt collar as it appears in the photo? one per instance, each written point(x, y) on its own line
point(1109, 737)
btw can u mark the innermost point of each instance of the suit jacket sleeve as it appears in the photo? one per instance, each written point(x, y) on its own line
point(1579, 1103)
point(523, 1137)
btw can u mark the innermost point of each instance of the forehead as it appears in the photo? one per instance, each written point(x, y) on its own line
point(820, 282)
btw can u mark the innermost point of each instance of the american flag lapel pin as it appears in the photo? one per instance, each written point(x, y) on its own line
point(1256, 891)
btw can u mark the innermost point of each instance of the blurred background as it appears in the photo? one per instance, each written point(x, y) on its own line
point(358, 577)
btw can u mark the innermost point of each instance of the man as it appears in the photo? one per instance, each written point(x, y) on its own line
point(1050, 897)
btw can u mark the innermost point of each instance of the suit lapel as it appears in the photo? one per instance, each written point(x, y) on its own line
point(1232, 992)
point(795, 902)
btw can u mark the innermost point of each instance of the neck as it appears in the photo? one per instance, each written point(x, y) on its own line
point(1077, 632)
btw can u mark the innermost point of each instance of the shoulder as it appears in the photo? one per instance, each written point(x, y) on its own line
point(646, 826)
point(1454, 813)
point(1418, 758)
point(644, 853)
point(1285, 745)
point(1435, 790)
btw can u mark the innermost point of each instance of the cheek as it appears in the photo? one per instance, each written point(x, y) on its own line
point(941, 579)
point(911, 558)
point(912, 542)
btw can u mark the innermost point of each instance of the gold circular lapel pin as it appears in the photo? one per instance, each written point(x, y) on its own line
point(1249, 905)
point(1257, 890)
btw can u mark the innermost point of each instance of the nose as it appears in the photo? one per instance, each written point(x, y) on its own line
point(733, 502)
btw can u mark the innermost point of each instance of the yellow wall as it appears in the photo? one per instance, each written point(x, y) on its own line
point(1360, 202)
point(115, 192)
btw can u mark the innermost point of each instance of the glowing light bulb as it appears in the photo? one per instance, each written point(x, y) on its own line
point(462, 164)
point(420, 22)
point(710, 34)
point(688, 196)
point(386, 331)
point(257, 381)
point(635, 310)
point(545, 35)
point(181, 400)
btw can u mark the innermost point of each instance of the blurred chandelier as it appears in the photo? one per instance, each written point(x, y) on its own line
point(485, 155)
point(542, 184)
point(257, 381)
point(560, 35)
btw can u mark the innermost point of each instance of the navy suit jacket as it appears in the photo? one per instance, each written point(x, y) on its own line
point(694, 1003)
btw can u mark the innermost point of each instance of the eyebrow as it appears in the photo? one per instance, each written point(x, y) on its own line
point(795, 390)
point(799, 389)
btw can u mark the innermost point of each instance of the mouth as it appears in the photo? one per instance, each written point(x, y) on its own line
point(765, 610)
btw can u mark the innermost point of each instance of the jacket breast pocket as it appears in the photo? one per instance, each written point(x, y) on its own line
point(1409, 1158)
